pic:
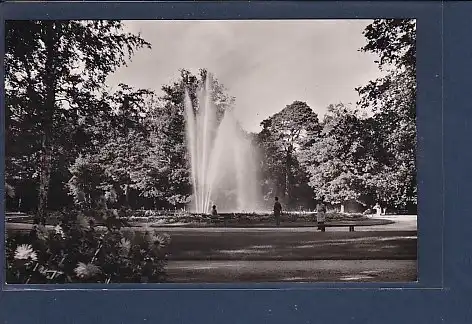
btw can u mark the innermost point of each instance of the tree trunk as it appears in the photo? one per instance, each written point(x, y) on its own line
point(288, 177)
point(126, 108)
point(44, 178)
point(282, 187)
point(47, 113)
point(127, 195)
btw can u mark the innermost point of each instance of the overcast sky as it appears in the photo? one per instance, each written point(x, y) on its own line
point(266, 65)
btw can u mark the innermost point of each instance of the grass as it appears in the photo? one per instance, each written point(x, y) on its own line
point(275, 245)
point(302, 255)
point(203, 256)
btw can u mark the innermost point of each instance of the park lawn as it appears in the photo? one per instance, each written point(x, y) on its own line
point(252, 244)
point(286, 245)
point(283, 255)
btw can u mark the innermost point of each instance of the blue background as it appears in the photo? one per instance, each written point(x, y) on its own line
point(443, 293)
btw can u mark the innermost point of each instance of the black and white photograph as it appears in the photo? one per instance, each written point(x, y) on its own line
point(210, 151)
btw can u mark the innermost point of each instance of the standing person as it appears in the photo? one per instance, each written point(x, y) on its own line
point(320, 216)
point(277, 210)
point(214, 212)
point(378, 209)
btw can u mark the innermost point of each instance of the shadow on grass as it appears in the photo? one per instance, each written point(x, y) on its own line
point(294, 246)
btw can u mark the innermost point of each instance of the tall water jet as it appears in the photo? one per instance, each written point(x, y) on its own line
point(223, 160)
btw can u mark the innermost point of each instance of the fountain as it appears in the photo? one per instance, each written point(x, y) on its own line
point(223, 160)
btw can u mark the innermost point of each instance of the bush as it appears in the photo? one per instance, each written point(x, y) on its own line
point(76, 252)
point(170, 217)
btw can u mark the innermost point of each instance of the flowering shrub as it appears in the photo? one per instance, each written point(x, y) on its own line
point(76, 251)
point(170, 217)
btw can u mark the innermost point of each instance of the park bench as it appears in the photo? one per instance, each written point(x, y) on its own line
point(351, 225)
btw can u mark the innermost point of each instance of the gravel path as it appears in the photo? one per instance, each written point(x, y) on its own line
point(292, 271)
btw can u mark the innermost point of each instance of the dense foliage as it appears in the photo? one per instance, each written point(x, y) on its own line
point(76, 251)
point(282, 137)
point(71, 143)
point(393, 99)
point(55, 73)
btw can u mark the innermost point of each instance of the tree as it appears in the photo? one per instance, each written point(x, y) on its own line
point(84, 185)
point(116, 162)
point(393, 100)
point(130, 140)
point(54, 73)
point(282, 136)
point(342, 162)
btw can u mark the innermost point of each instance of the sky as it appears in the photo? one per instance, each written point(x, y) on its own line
point(266, 65)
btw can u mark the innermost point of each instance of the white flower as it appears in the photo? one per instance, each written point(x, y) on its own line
point(83, 221)
point(125, 246)
point(58, 230)
point(86, 270)
point(25, 252)
point(161, 240)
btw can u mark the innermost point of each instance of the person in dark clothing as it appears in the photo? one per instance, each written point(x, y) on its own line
point(320, 216)
point(214, 212)
point(277, 210)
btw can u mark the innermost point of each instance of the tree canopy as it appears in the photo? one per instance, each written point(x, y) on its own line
point(393, 99)
point(54, 88)
point(282, 136)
